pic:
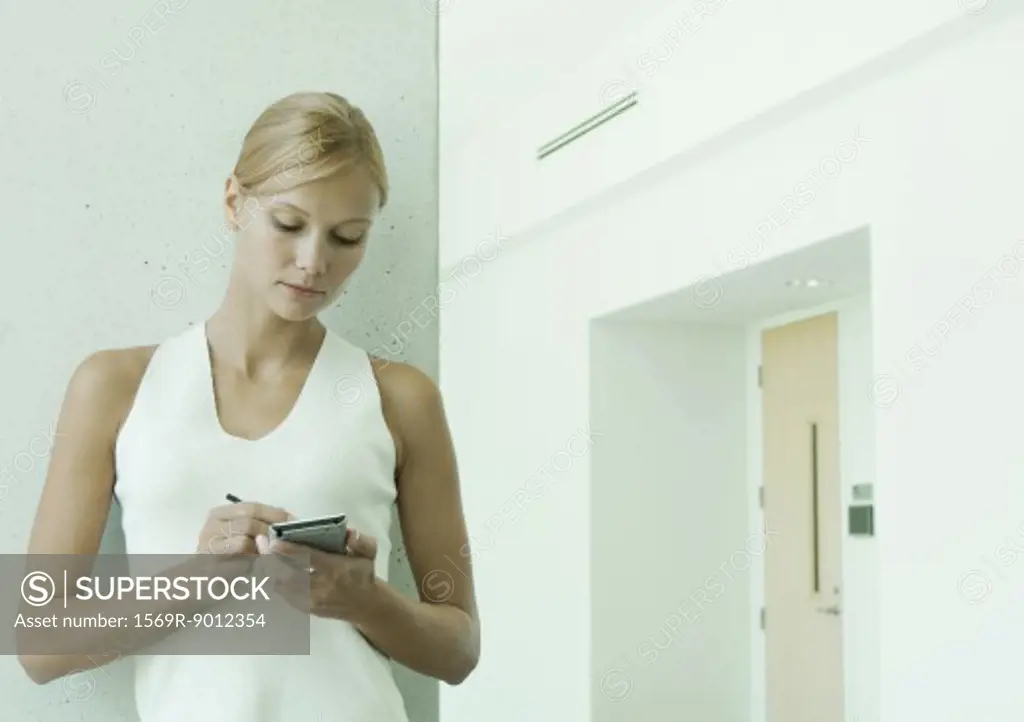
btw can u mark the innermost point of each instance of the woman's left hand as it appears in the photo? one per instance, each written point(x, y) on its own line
point(336, 586)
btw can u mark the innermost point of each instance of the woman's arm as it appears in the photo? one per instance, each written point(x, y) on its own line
point(73, 510)
point(439, 634)
point(77, 493)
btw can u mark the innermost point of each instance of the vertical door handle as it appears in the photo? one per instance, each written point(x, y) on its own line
point(815, 530)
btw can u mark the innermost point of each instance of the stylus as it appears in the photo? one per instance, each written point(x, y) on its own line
point(235, 500)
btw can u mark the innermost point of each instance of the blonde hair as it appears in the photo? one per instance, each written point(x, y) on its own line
point(305, 137)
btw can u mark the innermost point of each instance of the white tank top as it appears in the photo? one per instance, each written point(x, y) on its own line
point(333, 454)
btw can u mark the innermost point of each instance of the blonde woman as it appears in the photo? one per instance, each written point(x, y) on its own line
point(263, 402)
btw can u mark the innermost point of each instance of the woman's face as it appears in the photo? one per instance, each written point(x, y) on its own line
point(298, 247)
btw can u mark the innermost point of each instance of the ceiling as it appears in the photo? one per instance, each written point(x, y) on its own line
point(762, 290)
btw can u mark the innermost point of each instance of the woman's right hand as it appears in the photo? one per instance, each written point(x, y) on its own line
point(233, 528)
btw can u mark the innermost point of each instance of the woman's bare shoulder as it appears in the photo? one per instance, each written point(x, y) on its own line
point(107, 380)
point(402, 382)
point(410, 400)
point(115, 367)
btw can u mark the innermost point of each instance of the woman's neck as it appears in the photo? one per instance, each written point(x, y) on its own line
point(257, 343)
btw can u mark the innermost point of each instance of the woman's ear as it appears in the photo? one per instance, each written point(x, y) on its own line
point(232, 201)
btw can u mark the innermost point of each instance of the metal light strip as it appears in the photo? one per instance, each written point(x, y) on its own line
point(594, 121)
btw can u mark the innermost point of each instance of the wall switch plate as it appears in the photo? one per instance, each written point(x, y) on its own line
point(863, 492)
point(862, 520)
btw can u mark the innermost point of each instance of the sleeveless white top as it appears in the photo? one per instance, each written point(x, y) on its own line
point(333, 454)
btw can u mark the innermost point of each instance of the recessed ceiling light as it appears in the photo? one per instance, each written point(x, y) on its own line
point(808, 283)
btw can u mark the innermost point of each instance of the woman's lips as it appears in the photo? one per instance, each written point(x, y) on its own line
point(303, 291)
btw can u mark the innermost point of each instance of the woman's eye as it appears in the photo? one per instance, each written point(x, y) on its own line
point(284, 226)
point(348, 241)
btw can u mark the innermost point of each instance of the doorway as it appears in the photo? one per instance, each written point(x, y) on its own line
point(801, 504)
point(674, 390)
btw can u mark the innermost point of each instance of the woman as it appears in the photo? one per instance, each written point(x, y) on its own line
point(263, 402)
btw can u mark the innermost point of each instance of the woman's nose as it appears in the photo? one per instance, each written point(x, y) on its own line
point(311, 254)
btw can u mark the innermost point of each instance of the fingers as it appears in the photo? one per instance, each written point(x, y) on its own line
point(238, 525)
point(361, 545)
point(246, 526)
point(296, 593)
point(237, 544)
point(251, 510)
point(301, 554)
point(271, 514)
point(283, 559)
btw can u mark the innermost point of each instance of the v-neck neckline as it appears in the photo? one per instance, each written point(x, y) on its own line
point(207, 356)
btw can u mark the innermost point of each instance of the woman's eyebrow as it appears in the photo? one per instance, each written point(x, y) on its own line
point(306, 213)
point(291, 205)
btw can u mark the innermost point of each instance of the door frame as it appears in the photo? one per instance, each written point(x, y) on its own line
point(755, 476)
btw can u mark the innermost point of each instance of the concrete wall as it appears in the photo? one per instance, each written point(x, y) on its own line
point(118, 125)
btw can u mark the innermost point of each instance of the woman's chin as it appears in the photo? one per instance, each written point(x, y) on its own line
point(297, 306)
point(297, 311)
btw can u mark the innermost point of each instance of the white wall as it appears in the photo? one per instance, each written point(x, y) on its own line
point(932, 175)
point(528, 524)
point(483, 65)
point(860, 594)
point(113, 177)
point(671, 551)
point(710, 73)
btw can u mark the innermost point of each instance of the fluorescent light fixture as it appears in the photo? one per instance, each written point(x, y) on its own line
point(808, 283)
